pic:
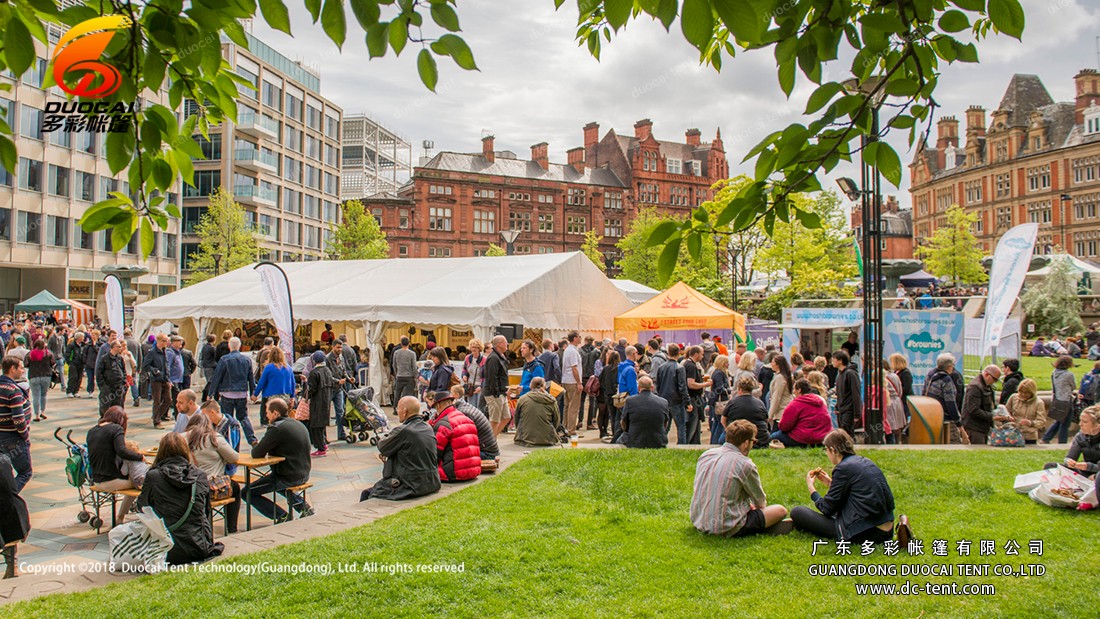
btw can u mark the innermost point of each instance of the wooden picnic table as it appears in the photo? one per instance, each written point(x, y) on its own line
point(249, 463)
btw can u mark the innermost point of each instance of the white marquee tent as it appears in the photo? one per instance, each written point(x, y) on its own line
point(637, 293)
point(553, 292)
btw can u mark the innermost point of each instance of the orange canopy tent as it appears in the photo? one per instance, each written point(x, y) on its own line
point(680, 308)
point(81, 314)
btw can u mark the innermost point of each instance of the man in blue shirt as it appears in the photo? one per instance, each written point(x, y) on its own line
point(233, 382)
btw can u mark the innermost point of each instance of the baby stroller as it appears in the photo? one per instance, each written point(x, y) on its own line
point(77, 470)
point(364, 418)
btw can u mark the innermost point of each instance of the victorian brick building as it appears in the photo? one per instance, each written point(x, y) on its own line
point(456, 204)
point(1037, 161)
point(897, 229)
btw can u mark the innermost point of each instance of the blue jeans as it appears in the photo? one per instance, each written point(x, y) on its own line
point(266, 484)
point(89, 373)
point(238, 408)
point(784, 438)
point(679, 417)
point(134, 389)
point(1059, 427)
point(19, 452)
point(60, 366)
point(39, 386)
point(717, 430)
point(338, 400)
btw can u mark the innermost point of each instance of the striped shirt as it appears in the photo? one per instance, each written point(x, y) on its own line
point(727, 486)
point(13, 409)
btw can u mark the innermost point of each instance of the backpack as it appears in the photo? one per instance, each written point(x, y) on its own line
point(1090, 387)
point(592, 386)
point(75, 473)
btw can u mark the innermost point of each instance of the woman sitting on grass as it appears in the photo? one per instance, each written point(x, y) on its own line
point(858, 506)
point(1027, 410)
point(1087, 444)
point(179, 492)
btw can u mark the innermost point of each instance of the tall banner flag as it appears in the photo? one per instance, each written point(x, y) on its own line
point(113, 297)
point(1006, 277)
point(276, 289)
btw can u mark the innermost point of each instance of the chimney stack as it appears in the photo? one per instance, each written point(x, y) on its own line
point(1088, 92)
point(539, 155)
point(575, 158)
point(948, 132)
point(591, 134)
point(643, 128)
point(975, 121)
point(487, 148)
point(692, 136)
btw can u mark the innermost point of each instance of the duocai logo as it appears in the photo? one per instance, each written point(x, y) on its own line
point(923, 343)
point(77, 56)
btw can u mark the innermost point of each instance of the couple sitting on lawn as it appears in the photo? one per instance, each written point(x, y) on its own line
point(729, 500)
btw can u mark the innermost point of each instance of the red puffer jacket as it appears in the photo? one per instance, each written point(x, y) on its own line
point(457, 443)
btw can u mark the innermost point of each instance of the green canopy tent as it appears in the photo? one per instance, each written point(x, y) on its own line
point(42, 302)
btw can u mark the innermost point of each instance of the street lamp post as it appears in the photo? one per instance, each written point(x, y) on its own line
point(509, 237)
point(870, 197)
point(734, 255)
point(1062, 221)
point(217, 263)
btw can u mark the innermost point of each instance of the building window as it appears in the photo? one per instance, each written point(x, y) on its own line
point(377, 214)
point(331, 155)
point(206, 181)
point(59, 181)
point(519, 221)
point(292, 138)
point(85, 186)
point(313, 117)
point(311, 237)
point(522, 249)
point(403, 218)
point(37, 71)
point(546, 250)
point(546, 199)
point(272, 95)
point(973, 191)
point(1039, 213)
point(443, 190)
point(648, 193)
point(485, 222)
point(330, 212)
point(1084, 207)
point(576, 197)
point(5, 224)
point(922, 205)
point(292, 170)
point(312, 177)
point(403, 251)
point(30, 174)
point(576, 225)
point(64, 139)
point(212, 148)
point(30, 122)
point(293, 107)
point(1038, 178)
point(613, 200)
point(29, 229)
point(313, 147)
point(85, 142)
point(546, 223)
point(944, 200)
point(439, 219)
point(485, 193)
point(1085, 169)
point(680, 196)
point(519, 197)
point(170, 243)
point(292, 231)
point(1004, 218)
point(292, 201)
point(613, 228)
point(332, 126)
point(1004, 185)
point(81, 239)
point(439, 252)
point(672, 166)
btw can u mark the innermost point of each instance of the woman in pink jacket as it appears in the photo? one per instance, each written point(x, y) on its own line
point(805, 421)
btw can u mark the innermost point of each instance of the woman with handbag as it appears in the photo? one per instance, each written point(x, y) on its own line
point(276, 381)
point(1028, 411)
point(473, 373)
point(40, 369)
point(895, 407)
point(319, 387)
point(213, 454)
point(609, 385)
point(719, 398)
point(1061, 403)
point(179, 492)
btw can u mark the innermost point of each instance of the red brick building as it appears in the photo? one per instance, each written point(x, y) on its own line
point(897, 232)
point(456, 204)
point(1037, 161)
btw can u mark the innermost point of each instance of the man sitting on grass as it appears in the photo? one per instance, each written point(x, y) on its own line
point(411, 468)
point(728, 498)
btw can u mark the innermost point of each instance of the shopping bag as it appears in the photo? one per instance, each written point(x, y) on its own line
point(302, 412)
point(1062, 488)
point(1006, 435)
point(1025, 482)
point(141, 545)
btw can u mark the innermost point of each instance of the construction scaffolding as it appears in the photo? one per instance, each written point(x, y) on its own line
point(374, 158)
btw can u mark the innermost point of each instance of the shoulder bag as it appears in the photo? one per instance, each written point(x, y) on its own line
point(1059, 409)
point(221, 487)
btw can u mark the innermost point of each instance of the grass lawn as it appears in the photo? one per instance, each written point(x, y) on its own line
point(606, 533)
point(1037, 369)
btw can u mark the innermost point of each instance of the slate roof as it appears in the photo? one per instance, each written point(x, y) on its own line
point(1025, 93)
point(519, 168)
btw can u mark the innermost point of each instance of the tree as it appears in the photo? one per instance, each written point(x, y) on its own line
point(639, 260)
point(897, 49)
point(224, 230)
point(953, 252)
point(496, 250)
point(358, 237)
point(1052, 305)
point(591, 248)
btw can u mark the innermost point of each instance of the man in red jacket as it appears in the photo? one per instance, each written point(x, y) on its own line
point(455, 439)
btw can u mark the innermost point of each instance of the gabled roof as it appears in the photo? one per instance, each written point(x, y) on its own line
point(518, 168)
point(1025, 94)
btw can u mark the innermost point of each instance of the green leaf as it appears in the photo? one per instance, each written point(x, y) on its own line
point(314, 8)
point(276, 15)
point(18, 47)
point(617, 12)
point(967, 52)
point(765, 164)
point(742, 19)
point(99, 214)
point(154, 70)
point(425, 66)
point(120, 150)
point(666, 13)
point(821, 97)
point(697, 23)
point(666, 262)
point(123, 231)
point(902, 87)
point(808, 219)
point(970, 5)
point(954, 21)
point(786, 76)
point(1007, 16)
point(445, 16)
point(695, 245)
point(884, 22)
point(148, 238)
point(162, 174)
point(458, 50)
point(185, 165)
point(334, 22)
point(376, 40)
point(150, 136)
point(889, 164)
point(173, 210)
point(9, 157)
point(366, 12)
point(661, 233)
point(398, 34)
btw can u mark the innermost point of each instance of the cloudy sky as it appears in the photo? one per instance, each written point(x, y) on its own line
point(536, 84)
